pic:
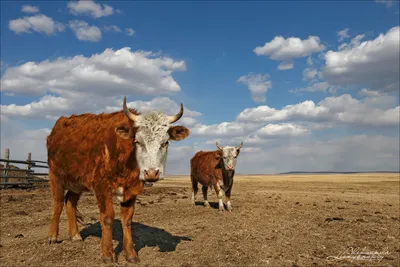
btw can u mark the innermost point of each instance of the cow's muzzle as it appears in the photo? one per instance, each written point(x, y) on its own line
point(151, 175)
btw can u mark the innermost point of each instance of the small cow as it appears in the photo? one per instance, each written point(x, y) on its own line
point(113, 155)
point(214, 168)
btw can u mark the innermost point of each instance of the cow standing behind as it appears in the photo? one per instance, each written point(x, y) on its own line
point(214, 168)
point(111, 154)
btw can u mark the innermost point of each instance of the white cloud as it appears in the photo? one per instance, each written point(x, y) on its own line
point(258, 85)
point(110, 73)
point(88, 7)
point(354, 42)
point(34, 141)
point(286, 65)
point(38, 23)
point(285, 50)
point(282, 130)
point(316, 87)
point(310, 74)
point(373, 63)
point(112, 28)
point(130, 31)
point(29, 9)
point(351, 153)
point(341, 110)
point(84, 32)
point(343, 34)
point(388, 3)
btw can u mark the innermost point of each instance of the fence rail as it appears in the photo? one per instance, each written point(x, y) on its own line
point(14, 176)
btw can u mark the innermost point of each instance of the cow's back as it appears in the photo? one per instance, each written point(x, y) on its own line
point(205, 167)
point(76, 145)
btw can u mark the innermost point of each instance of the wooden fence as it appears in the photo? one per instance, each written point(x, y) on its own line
point(12, 176)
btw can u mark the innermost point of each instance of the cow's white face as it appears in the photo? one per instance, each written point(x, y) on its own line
point(229, 156)
point(151, 140)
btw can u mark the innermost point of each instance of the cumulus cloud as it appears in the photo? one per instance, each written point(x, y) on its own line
point(282, 130)
point(112, 28)
point(84, 32)
point(285, 50)
point(130, 31)
point(258, 85)
point(110, 73)
point(89, 7)
point(343, 34)
point(29, 9)
point(343, 109)
point(38, 23)
point(374, 63)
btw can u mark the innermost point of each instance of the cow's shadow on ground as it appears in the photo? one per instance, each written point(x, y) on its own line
point(213, 205)
point(142, 236)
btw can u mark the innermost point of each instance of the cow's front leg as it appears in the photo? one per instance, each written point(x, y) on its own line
point(127, 211)
point(220, 195)
point(105, 203)
point(228, 198)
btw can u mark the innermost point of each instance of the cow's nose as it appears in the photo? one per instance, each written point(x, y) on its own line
point(151, 175)
point(230, 167)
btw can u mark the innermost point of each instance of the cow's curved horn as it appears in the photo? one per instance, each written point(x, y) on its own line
point(129, 114)
point(173, 119)
point(220, 148)
point(239, 147)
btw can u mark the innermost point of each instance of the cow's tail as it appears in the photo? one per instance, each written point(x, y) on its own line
point(79, 216)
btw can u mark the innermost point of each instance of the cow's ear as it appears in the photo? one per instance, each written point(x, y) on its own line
point(178, 133)
point(123, 131)
point(237, 152)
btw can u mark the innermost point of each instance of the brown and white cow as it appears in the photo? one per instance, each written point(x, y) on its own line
point(112, 155)
point(214, 168)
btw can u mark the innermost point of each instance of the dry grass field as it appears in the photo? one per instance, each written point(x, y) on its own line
point(277, 220)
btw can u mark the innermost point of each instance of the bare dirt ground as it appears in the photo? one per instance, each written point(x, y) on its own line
point(282, 220)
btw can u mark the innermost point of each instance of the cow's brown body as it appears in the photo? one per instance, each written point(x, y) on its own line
point(98, 153)
point(206, 168)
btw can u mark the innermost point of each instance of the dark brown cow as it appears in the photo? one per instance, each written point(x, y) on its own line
point(110, 154)
point(214, 168)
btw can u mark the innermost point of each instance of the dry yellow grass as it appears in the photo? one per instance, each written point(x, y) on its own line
point(278, 220)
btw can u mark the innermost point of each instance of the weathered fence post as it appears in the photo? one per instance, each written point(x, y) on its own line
point(28, 167)
point(7, 164)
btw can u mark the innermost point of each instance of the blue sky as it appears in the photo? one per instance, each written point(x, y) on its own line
point(214, 45)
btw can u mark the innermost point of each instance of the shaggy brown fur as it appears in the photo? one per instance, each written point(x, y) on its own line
point(86, 152)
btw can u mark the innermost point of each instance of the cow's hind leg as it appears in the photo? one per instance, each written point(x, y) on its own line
point(220, 195)
point(57, 191)
point(127, 211)
point(205, 191)
point(71, 202)
point(107, 215)
point(195, 188)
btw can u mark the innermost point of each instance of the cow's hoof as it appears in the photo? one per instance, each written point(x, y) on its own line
point(76, 238)
point(221, 209)
point(107, 260)
point(52, 240)
point(133, 259)
point(206, 204)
